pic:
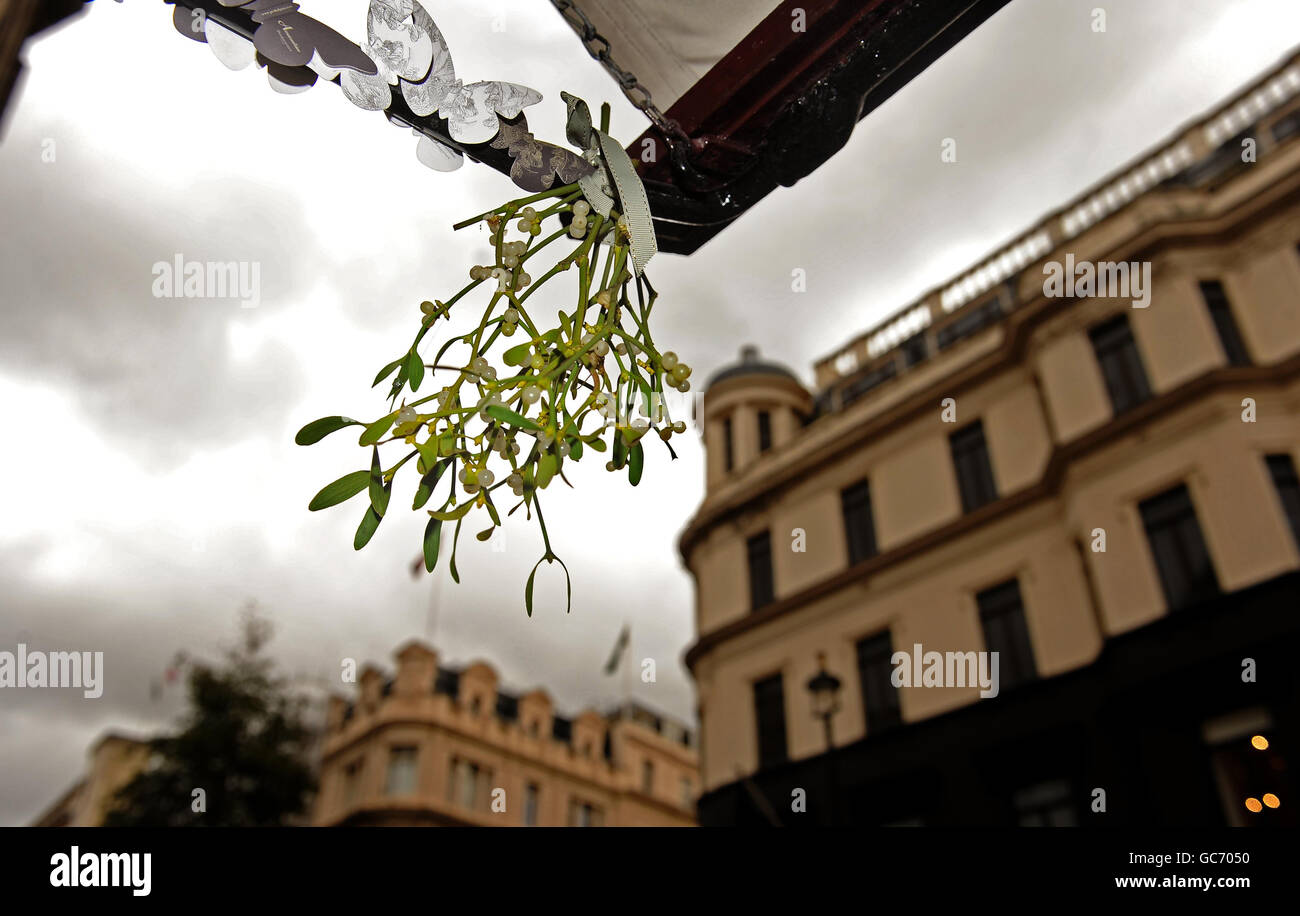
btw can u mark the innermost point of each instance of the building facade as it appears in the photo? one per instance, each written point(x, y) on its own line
point(114, 760)
point(438, 746)
point(1097, 482)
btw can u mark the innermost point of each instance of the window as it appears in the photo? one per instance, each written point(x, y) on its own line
point(864, 383)
point(769, 710)
point(469, 784)
point(914, 350)
point(859, 526)
point(352, 781)
point(532, 794)
point(583, 814)
point(970, 458)
point(507, 707)
point(402, 768)
point(728, 456)
point(447, 682)
point(971, 322)
point(880, 701)
point(1048, 804)
point(1002, 617)
point(1286, 127)
point(1121, 364)
point(1250, 768)
point(1282, 470)
point(688, 793)
point(759, 550)
point(647, 777)
point(1216, 300)
point(1186, 573)
point(764, 431)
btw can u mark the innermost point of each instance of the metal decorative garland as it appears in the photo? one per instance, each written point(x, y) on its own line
point(559, 396)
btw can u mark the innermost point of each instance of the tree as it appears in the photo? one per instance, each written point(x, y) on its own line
point(240, 757)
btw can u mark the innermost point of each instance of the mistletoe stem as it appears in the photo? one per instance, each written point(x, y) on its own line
point(515, 205)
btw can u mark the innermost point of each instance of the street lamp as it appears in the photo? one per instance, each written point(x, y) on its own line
point(825, 690)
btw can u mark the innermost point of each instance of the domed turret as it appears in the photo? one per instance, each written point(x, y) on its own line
point(750, 407)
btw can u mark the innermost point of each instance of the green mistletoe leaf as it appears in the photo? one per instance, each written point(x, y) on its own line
point(635, 464)
point(414, 370)
point(366, 530)
point(317, 430)
point(375, 431)
point(341, 490)
point(387, 371)
point(378, 492)
point(432, 535)
point(506, 415)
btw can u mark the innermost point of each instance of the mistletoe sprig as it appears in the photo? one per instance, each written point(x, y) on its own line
point(509, 418)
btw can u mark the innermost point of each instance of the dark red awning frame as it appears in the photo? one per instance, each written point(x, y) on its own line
point(783, 102)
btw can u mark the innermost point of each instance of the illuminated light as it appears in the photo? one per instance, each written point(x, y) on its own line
point(1253, 805)
point(1259, 743)
point(1271, 800)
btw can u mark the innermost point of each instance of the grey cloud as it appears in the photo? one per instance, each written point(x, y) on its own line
point(155, 374)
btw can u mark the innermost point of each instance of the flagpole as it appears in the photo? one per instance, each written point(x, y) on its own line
point(628, 660)
point(431, 620)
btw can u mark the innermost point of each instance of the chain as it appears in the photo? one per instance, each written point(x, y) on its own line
point(599, 48)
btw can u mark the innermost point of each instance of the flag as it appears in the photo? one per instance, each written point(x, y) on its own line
point(620, 646)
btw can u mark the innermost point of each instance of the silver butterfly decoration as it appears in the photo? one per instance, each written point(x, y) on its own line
point(408, 48)
point(284, 42)
point(403, 48)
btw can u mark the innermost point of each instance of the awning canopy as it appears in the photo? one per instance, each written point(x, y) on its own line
point(773, 107)
point(669, 44)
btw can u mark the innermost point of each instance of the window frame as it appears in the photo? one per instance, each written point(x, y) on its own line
point(1290, 506)
point(1003, 603)
point(1219, 306)
point(413, 775)
point(1119, 358)
point(878, 718)
point(773, 746)
point(1155, 512)
point(972, 463)
point(860, 542)
point(532, 803)
point(762, 580)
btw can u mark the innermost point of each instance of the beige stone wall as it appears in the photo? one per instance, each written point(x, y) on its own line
point(511, 754)
point(1063, 463)
point(113, 761)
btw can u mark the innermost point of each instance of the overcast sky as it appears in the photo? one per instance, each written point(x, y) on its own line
point(152, 485)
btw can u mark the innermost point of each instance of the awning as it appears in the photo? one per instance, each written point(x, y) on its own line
point(771, 109)
point(670, 45)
